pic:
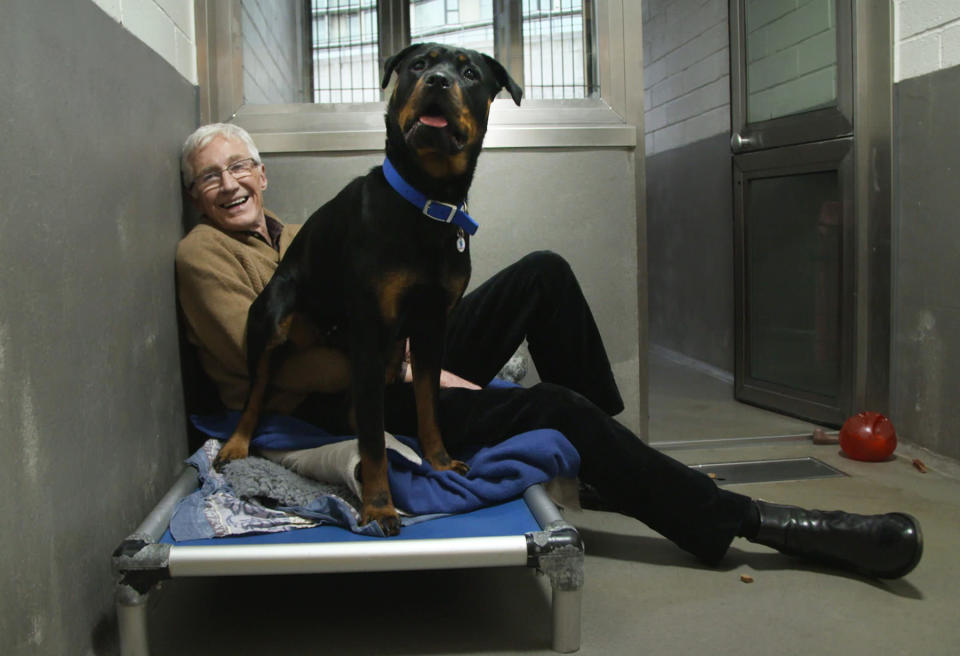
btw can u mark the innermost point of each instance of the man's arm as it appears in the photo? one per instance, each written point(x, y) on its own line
point(216, 289)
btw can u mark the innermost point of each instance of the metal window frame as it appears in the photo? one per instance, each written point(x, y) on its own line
point(612, 120)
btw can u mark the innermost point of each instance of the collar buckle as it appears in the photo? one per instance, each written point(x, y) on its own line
point(438, 214)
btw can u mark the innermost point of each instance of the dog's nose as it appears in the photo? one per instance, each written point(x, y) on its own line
point(439, 80)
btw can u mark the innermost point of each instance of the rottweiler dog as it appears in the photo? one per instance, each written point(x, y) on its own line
point(371, 268)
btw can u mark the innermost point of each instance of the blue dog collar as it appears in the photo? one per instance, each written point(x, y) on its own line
point(436, 210)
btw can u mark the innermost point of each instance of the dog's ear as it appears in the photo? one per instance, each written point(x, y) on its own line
point(504, 79)
point(392, 62)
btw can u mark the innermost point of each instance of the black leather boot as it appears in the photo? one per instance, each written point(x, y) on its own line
point(885, 546)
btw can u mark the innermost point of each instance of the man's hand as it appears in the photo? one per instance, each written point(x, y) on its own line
point(448, 379)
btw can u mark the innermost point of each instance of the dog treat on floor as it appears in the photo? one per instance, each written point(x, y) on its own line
point(820, 437)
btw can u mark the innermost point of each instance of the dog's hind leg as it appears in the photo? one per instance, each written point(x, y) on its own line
point(269, 323)
point(426, 354)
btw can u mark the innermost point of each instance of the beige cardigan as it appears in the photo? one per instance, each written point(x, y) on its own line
point(219, 274)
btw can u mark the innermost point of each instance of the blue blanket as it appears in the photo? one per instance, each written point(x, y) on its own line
point(498, 473)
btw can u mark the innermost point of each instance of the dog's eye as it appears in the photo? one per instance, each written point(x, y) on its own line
point(418, 65)
point(471, 73)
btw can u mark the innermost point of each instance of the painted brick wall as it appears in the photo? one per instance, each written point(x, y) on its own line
point(272, 46)
point(686, 72)
point(926, 36)
point(686, 59)
point(791, 56)
point(167, 26)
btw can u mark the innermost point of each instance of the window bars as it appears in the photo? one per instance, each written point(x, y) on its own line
point(345, 51)
point(557, 36)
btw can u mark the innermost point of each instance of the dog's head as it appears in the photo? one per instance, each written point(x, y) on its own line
point(441, 102)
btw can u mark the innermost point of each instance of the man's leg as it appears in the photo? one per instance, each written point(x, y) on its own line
point(678, 502)
point(538, 299)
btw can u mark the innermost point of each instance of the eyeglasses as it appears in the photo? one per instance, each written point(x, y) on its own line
point(214, 179)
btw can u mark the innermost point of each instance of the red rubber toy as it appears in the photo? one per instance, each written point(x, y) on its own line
point(868, 436)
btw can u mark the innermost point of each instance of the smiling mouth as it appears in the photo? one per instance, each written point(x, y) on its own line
point(235, 203)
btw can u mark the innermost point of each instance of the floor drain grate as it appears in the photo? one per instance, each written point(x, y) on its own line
point(768, 471)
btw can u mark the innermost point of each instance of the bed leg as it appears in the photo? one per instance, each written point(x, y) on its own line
point(558, 553)
point(566, 620)
point(132, 621)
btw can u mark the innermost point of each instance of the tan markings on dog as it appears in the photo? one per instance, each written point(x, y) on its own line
point(434, 53)
point(425, 394)
point(408, 112)
point(455, 290)
point(428, 430)
point(439, 165)
point(461, 58)
point(466, 121)
point(303, 332)
point(375, 489)
point(389, 291)
point(238, 446)
point(279, 335)
point(295, 328)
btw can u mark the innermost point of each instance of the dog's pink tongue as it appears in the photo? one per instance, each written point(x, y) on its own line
point(434, 121)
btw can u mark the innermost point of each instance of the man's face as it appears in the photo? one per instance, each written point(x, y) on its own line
point(236, 205)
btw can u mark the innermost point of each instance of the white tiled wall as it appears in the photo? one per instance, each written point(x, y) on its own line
point(926, 36)
point(167, 26)
point(686, 71)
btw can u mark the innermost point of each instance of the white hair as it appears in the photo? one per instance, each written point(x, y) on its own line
point(204, 135)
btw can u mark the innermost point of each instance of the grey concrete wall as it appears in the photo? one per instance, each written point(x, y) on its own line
point(689, 183)
point(690, 246)
point(90, 396)
point(579, 203)
point(925, 372)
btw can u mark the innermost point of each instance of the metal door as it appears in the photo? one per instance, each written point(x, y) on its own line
point(792, 99)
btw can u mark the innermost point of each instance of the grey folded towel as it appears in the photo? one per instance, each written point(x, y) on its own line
point(274, 485)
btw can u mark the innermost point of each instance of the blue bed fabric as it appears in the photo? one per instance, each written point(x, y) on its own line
point(498, 473)
point(509, 518)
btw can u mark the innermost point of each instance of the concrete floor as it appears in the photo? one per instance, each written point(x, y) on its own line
point(642, 594)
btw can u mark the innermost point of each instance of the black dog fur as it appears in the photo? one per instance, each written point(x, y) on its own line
point(370, 267)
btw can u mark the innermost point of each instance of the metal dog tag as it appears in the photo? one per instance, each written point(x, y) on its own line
point(461, 242)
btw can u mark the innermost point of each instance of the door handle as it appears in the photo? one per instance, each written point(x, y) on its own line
point(738, 142)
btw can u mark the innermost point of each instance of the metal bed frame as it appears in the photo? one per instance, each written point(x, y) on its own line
point(142, 561)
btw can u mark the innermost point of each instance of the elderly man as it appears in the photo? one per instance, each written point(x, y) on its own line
point(225, 261)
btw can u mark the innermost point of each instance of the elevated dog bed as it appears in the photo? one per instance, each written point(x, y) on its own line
point(525, 530)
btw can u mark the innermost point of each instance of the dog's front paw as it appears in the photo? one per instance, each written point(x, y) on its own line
point(386, 516)
point(460, 467)
point(234, 449)
point(443, 462)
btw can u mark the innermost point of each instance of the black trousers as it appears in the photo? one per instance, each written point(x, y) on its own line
point(538, 299)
